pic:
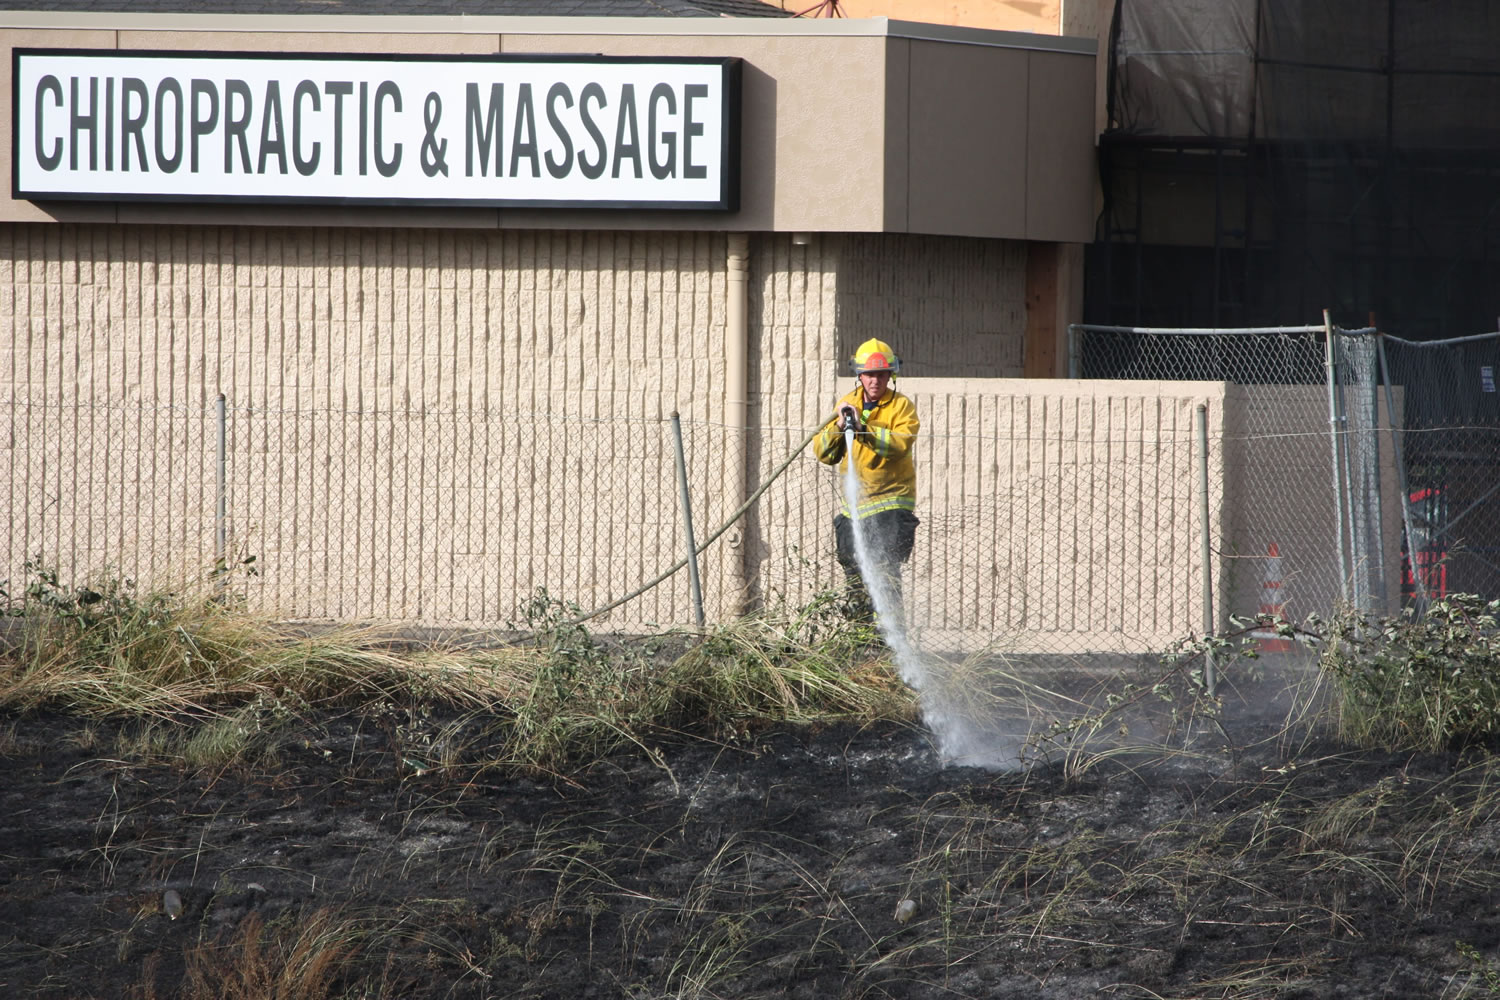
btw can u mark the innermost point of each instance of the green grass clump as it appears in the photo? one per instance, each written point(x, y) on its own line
point(784, 666)
point(585, 698)
point(1430, 681)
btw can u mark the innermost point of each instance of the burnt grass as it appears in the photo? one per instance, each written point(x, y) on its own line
point(768, 866)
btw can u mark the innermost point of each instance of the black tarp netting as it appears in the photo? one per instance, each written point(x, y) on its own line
point(1269, 158)
point(1419, 74)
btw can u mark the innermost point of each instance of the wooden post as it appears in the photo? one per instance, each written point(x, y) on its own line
point(1053, 300)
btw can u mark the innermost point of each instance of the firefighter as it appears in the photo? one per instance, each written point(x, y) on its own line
point(885, 428)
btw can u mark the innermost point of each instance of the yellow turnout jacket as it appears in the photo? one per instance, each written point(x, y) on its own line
point(882, 451)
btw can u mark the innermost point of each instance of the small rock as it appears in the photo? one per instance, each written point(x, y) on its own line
point(905, 910)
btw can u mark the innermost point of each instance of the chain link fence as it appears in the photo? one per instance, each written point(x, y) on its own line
point(1334, 501)
point(124, 488)
point(1058, 517)
point(1282, 536)
point(1450, 451)
point(1053, 520)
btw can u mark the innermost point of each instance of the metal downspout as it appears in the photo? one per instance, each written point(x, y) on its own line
point(737, 407)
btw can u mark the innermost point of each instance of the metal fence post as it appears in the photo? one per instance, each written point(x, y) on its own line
point(687, 520)
point(1205, 547)
point(1401, 479)
point(1379, 584)
point(221, 503)
point(1335, 453)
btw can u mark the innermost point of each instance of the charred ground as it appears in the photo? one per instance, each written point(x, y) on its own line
point(378, 854)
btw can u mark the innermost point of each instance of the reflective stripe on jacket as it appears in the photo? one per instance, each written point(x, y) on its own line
point(882, 452)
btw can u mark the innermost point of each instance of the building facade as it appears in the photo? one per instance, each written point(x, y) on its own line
point(509, 366)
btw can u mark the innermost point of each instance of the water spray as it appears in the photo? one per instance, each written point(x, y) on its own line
point(960, 739)
point(887, 609)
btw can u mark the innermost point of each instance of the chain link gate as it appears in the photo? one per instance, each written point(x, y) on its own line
point(1334, 492)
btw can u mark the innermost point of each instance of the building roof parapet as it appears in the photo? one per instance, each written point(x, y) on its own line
point(549, 25)
point(298, 8)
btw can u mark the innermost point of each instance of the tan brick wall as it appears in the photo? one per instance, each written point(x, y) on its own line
point(951, 307)
point(1061, 516)
point(427, 425)
point(1057, 516)
point(948, 306)
point(386, 460)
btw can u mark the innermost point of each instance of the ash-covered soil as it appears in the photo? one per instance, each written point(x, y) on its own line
point(381, 856)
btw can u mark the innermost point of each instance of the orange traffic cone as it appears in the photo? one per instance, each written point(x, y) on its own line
point(1272, 603)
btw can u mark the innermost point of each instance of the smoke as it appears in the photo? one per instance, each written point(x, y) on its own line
point(962, 737)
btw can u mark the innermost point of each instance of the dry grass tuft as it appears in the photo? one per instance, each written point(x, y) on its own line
point(192, 655)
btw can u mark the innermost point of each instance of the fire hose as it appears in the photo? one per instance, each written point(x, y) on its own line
point(700, 549)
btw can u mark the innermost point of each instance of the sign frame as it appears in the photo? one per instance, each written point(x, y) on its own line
point(728, 151)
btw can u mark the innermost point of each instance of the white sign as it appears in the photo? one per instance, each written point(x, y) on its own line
point(577, 131)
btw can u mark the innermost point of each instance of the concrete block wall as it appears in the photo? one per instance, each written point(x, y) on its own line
point(948, 306)
point(794, 295)
point(1056, 516)
point(1061, 516)
point(952, 308)
point(428, 425)
point(423, 424)
point(104, 443)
